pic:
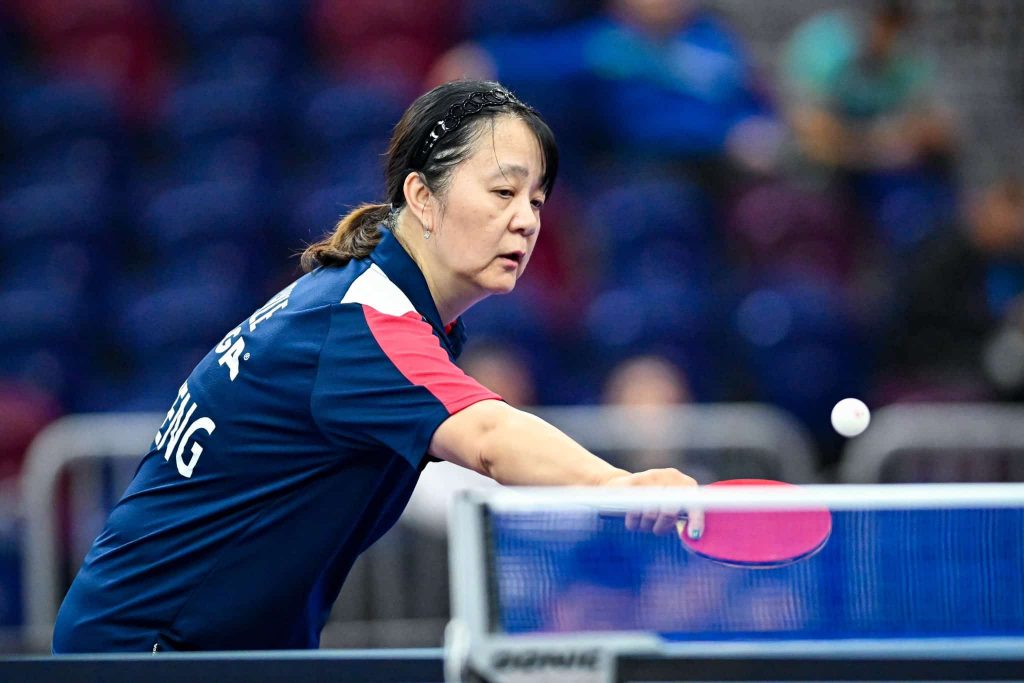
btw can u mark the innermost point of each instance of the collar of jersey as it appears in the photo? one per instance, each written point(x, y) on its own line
point(396, 263)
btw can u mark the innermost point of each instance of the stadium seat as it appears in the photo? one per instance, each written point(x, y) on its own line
point(803, 348)
point(776, 227)
point(317, 206)
point(203, 109)
point(54, 211)
point(66, 268)
point(340, 114)
point(42, 114)
point(485, 18)
point(207, 212)
point(673, 319)
point(907, 206)
point(10, 564)
point(521, 317)
point(651, 229)
point(50, 366)
point(91, 162)
point(205, 22)
point(41, 314)
point(246, 56)
point(236, 160)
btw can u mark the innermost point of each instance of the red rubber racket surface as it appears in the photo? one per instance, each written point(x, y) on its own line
point(760, 538)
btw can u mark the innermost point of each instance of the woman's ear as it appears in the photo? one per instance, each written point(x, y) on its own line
point(417, 196)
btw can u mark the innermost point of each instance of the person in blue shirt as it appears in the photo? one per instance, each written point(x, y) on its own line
point(664, 79)
point(296, 442)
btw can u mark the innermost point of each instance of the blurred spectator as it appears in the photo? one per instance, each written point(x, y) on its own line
point(862, 100)
point(502, 370)
point(642, 385)
point(959, 331)
point(860, 94)
point(646, 381)
point(661, 79)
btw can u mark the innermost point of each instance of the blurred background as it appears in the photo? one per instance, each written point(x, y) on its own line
point(780, 203)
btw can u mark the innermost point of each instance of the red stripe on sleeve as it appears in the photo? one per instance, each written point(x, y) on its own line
point(410, 344)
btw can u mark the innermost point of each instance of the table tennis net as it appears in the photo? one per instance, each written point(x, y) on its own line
point(884, 573)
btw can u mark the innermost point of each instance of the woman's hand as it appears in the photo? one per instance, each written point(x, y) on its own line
point(663, 519)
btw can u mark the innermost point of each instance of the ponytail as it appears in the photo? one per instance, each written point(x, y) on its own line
point(354, 237)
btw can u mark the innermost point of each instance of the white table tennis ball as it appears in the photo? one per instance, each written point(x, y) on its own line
point(850, 417)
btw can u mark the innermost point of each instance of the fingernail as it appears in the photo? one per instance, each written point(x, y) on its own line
point(694, 532)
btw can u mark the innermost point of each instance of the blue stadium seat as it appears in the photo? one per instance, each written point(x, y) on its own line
point(55, 210)
point(37, 314)
point(160, 318)
point(653, 229)
point(485, 18)
point(140, 383)
point(359, 164)
point(232, 159)
point(906, 206)
point(204, 109)
point(84, 161)
point(678, 320)
point(804, 348)
point(10, 572)
point(57, 265)
point(254, 56)
point(634, 211)
point(517, 317)
point(41, 114)
point(524, 321)
point(341, 114)
point(317, 207)
point(54, 366)
point(207, 21)
point(199, 213)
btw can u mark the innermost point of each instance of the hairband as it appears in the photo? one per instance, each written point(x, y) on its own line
point(459, 111)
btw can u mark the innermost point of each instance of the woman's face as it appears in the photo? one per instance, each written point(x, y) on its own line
point(490, 218)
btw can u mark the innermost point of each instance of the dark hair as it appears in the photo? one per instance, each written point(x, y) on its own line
point(895, 13)
point(435, 134)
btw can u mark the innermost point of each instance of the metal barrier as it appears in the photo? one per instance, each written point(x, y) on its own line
point(69, 439)
point(938, 443)
point(720, 440)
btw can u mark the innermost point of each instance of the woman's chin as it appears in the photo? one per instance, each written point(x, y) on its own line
point(502, 285)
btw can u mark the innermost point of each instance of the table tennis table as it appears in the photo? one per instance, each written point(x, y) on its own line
point(915, 583)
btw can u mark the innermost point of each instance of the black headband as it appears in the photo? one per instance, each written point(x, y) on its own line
point(458, 112)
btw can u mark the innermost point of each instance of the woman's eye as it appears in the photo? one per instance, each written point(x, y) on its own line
point(538, 204)
point(507, 194)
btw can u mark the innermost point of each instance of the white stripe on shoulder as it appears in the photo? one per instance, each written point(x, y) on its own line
point(374, 289)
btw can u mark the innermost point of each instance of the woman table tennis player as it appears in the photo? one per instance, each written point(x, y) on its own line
point(296, 442)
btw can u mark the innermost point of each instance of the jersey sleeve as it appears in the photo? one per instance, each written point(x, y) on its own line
point(385, 380)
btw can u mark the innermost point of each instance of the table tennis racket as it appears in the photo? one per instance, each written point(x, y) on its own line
point(758, 539)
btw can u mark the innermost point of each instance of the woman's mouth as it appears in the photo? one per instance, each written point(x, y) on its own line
point(512, 258)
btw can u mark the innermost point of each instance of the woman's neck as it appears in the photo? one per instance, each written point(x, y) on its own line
point(450, 302)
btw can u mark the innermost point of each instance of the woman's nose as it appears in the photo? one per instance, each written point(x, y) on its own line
point(526, 219)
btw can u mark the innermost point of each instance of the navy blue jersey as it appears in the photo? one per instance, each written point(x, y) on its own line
point(293, 445)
